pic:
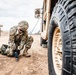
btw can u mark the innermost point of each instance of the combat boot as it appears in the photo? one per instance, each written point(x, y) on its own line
point(26, 54)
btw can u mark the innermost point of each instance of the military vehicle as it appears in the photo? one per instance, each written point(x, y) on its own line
point(58, 29)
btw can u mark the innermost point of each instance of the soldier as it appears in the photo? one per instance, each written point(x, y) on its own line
point(19, 39)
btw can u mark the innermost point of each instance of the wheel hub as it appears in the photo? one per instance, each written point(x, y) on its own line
point(57, 51)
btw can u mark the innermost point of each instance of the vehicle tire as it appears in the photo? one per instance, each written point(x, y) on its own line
point(62, 39)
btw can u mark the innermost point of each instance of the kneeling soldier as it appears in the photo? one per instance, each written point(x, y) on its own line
point(19, 39)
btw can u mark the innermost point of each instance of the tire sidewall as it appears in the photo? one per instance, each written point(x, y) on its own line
point(53, 25)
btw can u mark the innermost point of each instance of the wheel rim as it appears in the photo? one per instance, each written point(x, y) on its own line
point(57, 51)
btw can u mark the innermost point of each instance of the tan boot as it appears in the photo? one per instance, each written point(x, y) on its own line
point(26, 54)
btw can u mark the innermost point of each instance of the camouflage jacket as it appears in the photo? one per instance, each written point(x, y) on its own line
point(15, 42)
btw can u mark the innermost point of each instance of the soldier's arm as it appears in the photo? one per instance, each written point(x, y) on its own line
point(12, 37)
point(11, 43)
point(23, 41)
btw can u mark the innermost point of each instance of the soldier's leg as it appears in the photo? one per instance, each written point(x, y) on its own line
point(25, 52)
point(28, 46)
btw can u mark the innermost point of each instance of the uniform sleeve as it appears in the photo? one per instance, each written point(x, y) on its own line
point(12, 33)
point(23, 40)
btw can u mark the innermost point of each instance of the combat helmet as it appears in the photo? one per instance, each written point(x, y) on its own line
point(23, 25)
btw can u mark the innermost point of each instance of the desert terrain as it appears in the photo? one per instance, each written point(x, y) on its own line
point(37, 64)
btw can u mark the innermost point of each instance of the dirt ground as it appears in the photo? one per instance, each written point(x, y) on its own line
point(37, 64)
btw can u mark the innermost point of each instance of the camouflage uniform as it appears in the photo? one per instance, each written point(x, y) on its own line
point(19, 39)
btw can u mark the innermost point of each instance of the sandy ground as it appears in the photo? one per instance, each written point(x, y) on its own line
point(35, 65)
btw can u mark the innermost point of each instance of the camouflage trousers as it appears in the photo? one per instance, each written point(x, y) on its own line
point(26, 46)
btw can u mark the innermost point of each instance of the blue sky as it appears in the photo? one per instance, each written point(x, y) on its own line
point(13, 11)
